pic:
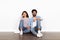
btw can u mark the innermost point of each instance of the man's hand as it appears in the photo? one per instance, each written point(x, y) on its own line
point(36, 19)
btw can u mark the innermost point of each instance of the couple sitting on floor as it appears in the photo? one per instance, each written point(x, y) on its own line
point(30, 24)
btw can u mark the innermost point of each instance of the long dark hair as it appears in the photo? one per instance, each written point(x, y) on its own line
point(26, 14)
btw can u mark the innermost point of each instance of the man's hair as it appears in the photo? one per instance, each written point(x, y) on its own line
point(34, 10)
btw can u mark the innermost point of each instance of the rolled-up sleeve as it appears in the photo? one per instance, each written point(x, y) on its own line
point(40, 18)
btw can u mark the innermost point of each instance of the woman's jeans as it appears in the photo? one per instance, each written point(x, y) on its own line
point(25, 30)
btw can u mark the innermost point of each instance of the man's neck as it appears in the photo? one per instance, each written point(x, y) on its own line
point(34, 17)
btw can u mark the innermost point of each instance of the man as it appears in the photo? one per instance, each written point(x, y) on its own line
point(35, 24)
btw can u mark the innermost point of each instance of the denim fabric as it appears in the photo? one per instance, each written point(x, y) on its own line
point(37, 26)
point(25, 30)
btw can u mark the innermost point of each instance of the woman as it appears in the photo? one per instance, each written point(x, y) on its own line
point(23, 26)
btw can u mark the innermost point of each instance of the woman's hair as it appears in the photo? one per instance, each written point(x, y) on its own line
point(26, 14)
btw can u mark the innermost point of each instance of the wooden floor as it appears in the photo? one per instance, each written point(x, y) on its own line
point(16, 36)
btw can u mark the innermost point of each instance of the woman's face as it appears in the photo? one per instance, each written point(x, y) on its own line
point(24, 14)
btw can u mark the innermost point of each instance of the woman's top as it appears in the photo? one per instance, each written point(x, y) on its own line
point(25, 21)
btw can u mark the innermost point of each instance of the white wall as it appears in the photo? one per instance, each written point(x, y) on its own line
point(10, 13)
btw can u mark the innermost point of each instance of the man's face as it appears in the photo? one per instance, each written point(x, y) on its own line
point(34, 13)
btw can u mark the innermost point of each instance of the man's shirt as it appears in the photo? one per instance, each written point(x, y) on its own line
point(30, 23)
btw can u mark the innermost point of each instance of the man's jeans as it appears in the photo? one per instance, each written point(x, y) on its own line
point(35, 29)
point(25, 30)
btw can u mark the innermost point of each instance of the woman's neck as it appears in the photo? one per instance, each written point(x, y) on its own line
point(25, 17)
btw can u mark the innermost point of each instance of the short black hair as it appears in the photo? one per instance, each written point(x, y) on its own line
point(26, 13)
point(34, 10)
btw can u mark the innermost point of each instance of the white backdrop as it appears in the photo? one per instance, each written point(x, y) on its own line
point(10, 13)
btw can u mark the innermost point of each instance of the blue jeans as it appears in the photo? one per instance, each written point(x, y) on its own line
point(25, 30)
point(35, 30)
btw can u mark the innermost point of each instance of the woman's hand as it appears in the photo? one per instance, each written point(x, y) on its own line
point(28, 27)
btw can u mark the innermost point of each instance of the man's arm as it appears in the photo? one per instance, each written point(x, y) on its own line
point(39, 18)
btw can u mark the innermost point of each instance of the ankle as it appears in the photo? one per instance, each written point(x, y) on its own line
point(39, 31)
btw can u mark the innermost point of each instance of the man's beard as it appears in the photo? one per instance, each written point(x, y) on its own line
point(34, 15)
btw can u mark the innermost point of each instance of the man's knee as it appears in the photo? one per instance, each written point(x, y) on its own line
point(32, 29)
